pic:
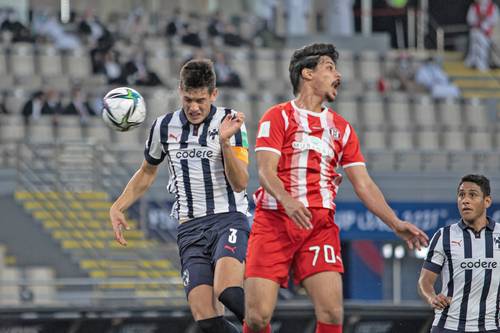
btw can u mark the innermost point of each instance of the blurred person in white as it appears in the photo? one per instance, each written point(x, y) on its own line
point(137, 72)
point(341, 18)
point(298, 12)
point(482, 17)
point(32, 109)
point(431, 76)
point(466, 255)
point(48, 26)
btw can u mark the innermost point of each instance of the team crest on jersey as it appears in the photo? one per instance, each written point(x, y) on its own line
point(213, 133)
point(185, 277)
point(496, 241)
point(335, 133)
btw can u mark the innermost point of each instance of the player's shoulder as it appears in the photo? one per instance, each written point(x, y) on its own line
point(279, 109)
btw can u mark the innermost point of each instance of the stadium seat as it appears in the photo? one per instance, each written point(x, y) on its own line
point(284, 57)
point(348, 109)
point(345, 65)
point(77, 64)
point(9, 291)
point(4, 69)
point(476, 115)
point(424, 112)
point(48, 61)
point(373, 112)
point(399, 112)
point(239, 59)
point(11, 127)
point(22, 61)
point(98, 132)
point(69, 128)
point(462, 161)
point(41, 130)
point(434, 162)
point(454, 140)
point(481, 141)
point(374, 140)
point(408, 161)
point(159, 61)
point(369, 66)
point(450, 112)
point(427, 140)
point(265, 66)
point(380, 160)
point(40, 279)
point(242, 102)
point(401, 140)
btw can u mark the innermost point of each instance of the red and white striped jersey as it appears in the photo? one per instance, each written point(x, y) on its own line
point(311, 146)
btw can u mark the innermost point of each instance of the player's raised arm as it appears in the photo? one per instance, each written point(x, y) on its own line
point(371, 196)
point(136, 187)
point(235, 157)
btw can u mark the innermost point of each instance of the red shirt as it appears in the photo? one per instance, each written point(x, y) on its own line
point(311, 146)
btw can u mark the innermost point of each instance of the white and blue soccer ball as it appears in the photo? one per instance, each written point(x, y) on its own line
point(123, 109)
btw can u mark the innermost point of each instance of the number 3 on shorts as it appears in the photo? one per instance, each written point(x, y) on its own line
point(232, 236)
point(328, 251)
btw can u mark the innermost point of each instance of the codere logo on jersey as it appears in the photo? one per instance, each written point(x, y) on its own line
point(479, 263)
point(194, 153)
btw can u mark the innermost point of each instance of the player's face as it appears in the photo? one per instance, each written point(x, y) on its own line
point(326, 78)
point(196, 103)
point(472, 203)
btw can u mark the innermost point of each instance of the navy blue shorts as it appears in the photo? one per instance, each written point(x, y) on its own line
point(203, 241)
point(436, 329)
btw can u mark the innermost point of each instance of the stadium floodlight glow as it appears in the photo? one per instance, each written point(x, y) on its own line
point(387, 251)
point(422, 253)
point(399, 252)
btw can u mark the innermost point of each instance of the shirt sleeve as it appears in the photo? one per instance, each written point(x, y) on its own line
point(153, 151)
point(435, 257)
point(351, 150)
point(271, 131)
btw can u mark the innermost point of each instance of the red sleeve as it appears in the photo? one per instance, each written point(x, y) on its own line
point(351, 151)
point(271, 131)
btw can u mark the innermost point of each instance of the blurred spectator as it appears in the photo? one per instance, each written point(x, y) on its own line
point(266, 37)
point(225, 75)
point(112, 68)
point(231, 36)
point(136, 27)
point(79, 106)
point(176, 26)
point(13, 25)
point(216, 24)
point(3, 104)
point(482, 17)
point(32, 109)
point(431, 76)
point(91, 27)
point(298, 12)
point(137, 73)
point(402, 76)
point(49, 27)
point(340, 17)
point(192, 37)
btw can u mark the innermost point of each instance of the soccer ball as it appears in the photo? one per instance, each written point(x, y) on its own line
point(123, 109)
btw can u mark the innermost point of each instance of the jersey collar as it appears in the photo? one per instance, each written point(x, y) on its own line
point(490, 225)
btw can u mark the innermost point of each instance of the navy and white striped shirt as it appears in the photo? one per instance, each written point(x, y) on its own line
point(195, 163)
point(469, 263)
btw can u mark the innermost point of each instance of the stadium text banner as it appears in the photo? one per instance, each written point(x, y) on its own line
point(356, 222)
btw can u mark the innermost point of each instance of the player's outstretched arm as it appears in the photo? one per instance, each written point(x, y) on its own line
point(374, 200)
point(267, 164)
point(235, 162)
point(426, 290)
point(136, 187)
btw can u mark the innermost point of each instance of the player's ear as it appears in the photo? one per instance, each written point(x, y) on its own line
point(487, 201)
point(214, 94)
point(306, 73)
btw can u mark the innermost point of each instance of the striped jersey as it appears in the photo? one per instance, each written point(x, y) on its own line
point(311, 146)
point(469, 264)
point(195, 163)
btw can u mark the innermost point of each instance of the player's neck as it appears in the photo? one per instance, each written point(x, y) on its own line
point(309, 102)
point(478, 224)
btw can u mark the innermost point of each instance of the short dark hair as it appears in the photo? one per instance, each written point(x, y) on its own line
point(480, 180)
point(308, 57)
point(196, 74)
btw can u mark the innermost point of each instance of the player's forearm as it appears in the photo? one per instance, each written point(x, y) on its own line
point(374, 200)
point(136, 187)
point(236, 170)
point(426, 290)
point(273, 185)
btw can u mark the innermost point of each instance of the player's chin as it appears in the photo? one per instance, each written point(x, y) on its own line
point(329, 97)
